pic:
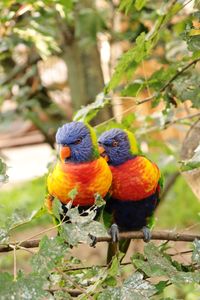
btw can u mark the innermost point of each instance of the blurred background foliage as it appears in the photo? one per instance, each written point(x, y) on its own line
point(132, 64)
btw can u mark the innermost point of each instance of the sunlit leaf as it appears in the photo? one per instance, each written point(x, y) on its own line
point(20, 217)
point(72, 194)
point(79, 232)
point(156, 264)
point(51, 251)
point(186, 87)
point(139, 4)
point(125, 5)
point(196, 252)
point(99, 201)
point(87, 113)
point(132, 58)
point(25, 288)
point(3, 175)
point(4, 235)
point(135, 287)
point(193, 162)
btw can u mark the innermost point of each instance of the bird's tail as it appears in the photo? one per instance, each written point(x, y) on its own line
point(118, 248)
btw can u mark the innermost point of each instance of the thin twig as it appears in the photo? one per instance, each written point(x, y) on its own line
point(169, 184)
point(181, 119)
point(14, 262)
point(179, 73)
point(167, 124)
point(68, 278)
point(181, 253)
point(25, 249)
point(151, 97)
point(96, 266)
point(73, 293)
point(156, 235)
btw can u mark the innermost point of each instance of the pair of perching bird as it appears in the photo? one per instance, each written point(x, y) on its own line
point(110, 166)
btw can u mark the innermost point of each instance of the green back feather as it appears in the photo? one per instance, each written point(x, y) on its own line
point(95, 151)
point(133, 143)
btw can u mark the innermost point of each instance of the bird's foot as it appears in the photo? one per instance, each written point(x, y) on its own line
point(114, 232)
point(147, 234)
point(93, 240)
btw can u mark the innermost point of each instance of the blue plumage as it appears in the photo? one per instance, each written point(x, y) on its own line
point(76, 135)
point(116, 145)
point(132, 215)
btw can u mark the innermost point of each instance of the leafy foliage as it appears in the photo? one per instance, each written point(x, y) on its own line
point(193, 162)
point(3, 168)
point(26, 287)
point(196, 252)
point(38, 25)
point(81, 227)
point(87, 113)
point(135, 287)
point(50, 253)
point(54, 268)
point(155, 263)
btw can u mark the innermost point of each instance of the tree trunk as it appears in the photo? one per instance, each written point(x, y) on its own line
point(84, 70)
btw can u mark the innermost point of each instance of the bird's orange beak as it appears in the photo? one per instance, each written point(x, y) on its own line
point(103, 153)
point(65, 152)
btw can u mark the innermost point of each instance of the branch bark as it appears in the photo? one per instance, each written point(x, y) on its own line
point(156, 235)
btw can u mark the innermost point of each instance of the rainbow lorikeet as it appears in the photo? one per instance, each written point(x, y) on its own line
point(79, 166)
point(135, 186)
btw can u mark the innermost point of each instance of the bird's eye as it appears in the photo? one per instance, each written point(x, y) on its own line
point(115, 143)
point(78, 141)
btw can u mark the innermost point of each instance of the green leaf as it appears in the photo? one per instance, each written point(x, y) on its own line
point(114, 268)
point(51, 251)
point(4, 235)
point(3, 175)
point(110, 281)
point(139, 4)
point(61, 295)
point(135, 287)
point(20, 217)
point(133, 88)
point(125, 5)
point(88, 112)
point(72, 194)
point(26, 287)
point(192, 163)
point(192, 36)
point(76, 218)
point(161, 286)
point(79, 232)
point(57, 209)
point(130, 59)
point(196, 252)
point(159, 265)
point(197, 4)
point(81, 226)
point(99, 201)
point(186, 87)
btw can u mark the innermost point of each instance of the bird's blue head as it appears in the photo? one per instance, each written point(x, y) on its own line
point(117, 146)
point(77, 142)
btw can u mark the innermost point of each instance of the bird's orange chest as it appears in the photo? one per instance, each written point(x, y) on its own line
point(88, 178)
point(135, 179)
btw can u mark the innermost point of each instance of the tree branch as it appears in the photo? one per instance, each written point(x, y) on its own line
point(73, 293)
point(169, 184)
point(156, 235)
point(151, 97)
point(193, 62)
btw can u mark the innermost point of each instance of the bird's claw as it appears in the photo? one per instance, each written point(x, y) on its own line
point(93, 240)
point(114, 232)
point(147, 234)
